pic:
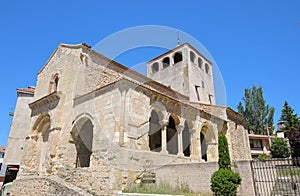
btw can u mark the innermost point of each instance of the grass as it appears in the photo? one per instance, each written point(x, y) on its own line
point(295, 172)
point(160, 188)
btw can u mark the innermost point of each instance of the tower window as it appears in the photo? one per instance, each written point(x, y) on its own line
point(206, 68)
point(200, 62)
point(197, 92)
point(166, 62)
point(177, 57)
point(192, 56)
point(155, 67)
point(56, 83)
point(202, 84)
point(210, 98)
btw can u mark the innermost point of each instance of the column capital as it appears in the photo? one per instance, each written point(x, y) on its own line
point(179, 128)
point(164, 122)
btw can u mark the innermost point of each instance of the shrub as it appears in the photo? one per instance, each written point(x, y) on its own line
point(263, 157)
point(224, 157)
point(225, 182)
point(279, 148)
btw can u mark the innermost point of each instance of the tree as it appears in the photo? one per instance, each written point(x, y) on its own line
point(255, 110)
point(224, 181)
point(279, 148)
point(224, 157)
point(291, 120)
point(291, 128)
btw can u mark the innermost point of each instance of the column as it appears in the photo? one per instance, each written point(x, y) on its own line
point(164, 124)
point(180, 128)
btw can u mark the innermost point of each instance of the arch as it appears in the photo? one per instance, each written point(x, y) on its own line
point(178, 57)
point(42, 127)
point(53, 87)
point(155, 67)
point(192, 56)
point(207, 137)
point(206, 68)
point(42, 124)
point(82, 133)
point(186, 139)
point(154, 132)
point(200, 62)
point(172, 135)
point(166, 62)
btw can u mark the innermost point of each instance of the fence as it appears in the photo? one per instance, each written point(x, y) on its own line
point(276, 176)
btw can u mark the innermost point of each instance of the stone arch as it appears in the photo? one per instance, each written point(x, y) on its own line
point(186, 138)
point(178, 57)
point(54, 82)
point(166, 62)
point(155, 67)
point(157, 115)
point(42, 127)
point(207, 141)
point(192, 56)
point(82, 135)
point(154, 133)
point(172, 134)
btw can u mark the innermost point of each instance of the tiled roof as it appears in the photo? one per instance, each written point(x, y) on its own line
point(29, 89)
point(2, 149)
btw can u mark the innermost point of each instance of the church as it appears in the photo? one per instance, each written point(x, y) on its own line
point(93, 126)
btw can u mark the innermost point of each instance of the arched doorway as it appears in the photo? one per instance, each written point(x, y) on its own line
point(42, 127)
point(186, 142)
point(172, 137)
point(154, 132)
point(82, 133)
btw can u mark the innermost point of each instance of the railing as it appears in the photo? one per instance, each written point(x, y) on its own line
point(276, 176)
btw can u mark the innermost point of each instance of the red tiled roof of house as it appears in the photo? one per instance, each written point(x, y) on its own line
point(2, 149)
point(29, 89)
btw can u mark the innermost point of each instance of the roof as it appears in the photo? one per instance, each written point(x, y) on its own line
point(2, 149)
point(257, 136)
point(178, 47)
point(28, 90)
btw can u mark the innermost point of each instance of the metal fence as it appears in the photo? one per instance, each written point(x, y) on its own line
point(276, 177)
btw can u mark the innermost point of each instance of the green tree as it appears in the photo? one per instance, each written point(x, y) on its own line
point(291, 120)
point(224, 181)
point(224, 157)
point(255, 110)
point(279, 148)
point(291, 128)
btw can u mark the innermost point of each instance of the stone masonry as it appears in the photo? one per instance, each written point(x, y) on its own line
point(94, 126)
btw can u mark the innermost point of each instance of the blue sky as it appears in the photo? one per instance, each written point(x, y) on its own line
point(253, 42)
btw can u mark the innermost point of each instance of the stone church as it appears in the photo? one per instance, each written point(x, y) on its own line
point(93, 126)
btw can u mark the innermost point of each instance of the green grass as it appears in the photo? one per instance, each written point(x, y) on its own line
point(295, 172)
point(160, 188)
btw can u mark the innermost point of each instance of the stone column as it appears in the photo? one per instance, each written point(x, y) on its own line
point(196, 141)
point(164, 125)
point(179, 129)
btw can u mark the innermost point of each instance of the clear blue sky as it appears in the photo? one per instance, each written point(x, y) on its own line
point(253, 42)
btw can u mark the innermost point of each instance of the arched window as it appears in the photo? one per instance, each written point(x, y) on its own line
point(166, 62)
point(177, 57)
point(53, 87)
point(200, 62)
point(192, 56)
point(206, 68)
point(56, 79)
point(155, 67)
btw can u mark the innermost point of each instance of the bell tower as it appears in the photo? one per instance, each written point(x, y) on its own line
point(186, 70)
